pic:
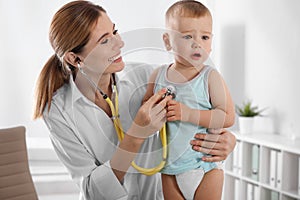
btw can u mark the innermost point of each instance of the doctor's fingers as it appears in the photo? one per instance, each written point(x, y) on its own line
point(157, 97)
point(161, 105)
point(159, 120)
point(207, 144)
point(158, 113)
point(210, 151)
point(214, 154)
point(156, 122)
point(209, 137)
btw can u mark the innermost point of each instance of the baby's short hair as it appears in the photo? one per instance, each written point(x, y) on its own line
point(187, 8)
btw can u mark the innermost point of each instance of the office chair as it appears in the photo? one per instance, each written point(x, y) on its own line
point(15, 178)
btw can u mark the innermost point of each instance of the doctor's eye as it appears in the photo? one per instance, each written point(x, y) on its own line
point(104, 41)
point(187, 37)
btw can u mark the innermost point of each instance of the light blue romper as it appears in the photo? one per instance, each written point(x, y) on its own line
point(194, 93)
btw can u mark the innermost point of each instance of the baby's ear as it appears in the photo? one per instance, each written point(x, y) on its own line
point(167, 41)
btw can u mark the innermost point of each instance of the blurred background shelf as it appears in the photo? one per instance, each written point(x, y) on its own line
point(263, 167)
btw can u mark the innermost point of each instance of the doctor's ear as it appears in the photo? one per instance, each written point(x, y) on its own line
point(72, 58)
point(167, 43)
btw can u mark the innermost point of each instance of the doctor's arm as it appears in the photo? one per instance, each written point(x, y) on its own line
point(90, 175)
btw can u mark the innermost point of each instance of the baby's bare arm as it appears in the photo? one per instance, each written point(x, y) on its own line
point(222, 115)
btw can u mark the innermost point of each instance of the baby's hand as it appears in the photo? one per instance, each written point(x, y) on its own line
point(177, 111)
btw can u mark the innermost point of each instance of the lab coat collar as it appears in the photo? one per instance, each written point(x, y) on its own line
point(73, 94)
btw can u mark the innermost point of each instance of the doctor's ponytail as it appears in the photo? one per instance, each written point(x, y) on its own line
point(69, 32)
point(51, 78)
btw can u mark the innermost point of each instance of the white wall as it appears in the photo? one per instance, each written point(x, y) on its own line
point(24, 49)
point(256, 46)
point(264, 39)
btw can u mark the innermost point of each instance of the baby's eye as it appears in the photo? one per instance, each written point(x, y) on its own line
point(205, 37)
point(187, 37)
point(115, 32)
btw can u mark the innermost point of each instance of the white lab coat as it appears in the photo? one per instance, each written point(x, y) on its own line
point(84, 139)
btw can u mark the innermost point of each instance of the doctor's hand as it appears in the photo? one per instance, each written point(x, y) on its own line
point(151, 116)
point(219, 145)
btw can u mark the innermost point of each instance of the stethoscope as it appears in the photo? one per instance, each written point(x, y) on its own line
point(114, 107)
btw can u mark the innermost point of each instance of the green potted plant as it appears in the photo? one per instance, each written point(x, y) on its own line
point(246, 113)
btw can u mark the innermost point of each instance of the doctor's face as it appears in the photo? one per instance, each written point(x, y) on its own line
point(102, 53)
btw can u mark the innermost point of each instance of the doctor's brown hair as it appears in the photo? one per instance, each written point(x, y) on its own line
point(69, 32)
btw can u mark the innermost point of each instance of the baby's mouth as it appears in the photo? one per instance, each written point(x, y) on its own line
point(197, 55)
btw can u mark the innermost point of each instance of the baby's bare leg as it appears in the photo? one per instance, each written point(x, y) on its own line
point(211, 186)
point(170, 188)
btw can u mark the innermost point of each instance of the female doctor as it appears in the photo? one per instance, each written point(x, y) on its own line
point(73, 93)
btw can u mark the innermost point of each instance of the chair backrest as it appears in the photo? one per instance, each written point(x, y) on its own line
point(15, 178)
